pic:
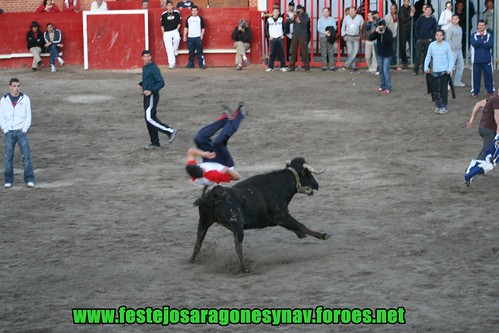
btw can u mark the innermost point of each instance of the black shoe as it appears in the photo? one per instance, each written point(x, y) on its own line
point(151, 147)
point(202, 67)
point(239, 67)
point(187, 66)
point(414, 73)
point(33, 69)
point(172, 136)
point(40, 63)
point(291, 69)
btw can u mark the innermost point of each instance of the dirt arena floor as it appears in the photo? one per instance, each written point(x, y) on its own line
point(110, 224)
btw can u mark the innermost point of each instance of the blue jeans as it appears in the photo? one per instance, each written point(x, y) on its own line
point(385, 77)
point(219, 144)
point(277, 47)
point(195, 45)
point(11, 137)
point(54, 53)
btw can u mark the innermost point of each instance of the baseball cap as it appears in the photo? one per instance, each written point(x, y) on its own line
point(291, 3)
point(299, 7)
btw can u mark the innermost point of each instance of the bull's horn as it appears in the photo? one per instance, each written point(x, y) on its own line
point(312, 170)
point(288, 163)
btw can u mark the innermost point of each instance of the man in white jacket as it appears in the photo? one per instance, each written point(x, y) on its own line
point(15, 120)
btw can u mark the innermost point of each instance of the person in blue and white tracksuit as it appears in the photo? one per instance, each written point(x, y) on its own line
point(482, 43)
point(193, 35)
point(151, 83)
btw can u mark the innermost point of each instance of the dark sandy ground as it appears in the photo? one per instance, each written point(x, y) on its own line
point(111, 224)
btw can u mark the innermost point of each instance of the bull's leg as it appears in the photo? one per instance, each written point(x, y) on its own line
point(238, 241)
point(289, 222)
point(202, 229)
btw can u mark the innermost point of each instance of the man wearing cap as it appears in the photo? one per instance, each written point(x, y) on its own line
point(151, 83)
point(300, 22)
point(36, 43)
point(242, 42)
point(350, 31)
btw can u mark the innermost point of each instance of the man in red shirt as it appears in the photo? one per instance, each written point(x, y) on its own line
point(217, 165)
point(489, 131)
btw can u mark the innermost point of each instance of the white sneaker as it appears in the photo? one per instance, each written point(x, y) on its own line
point(8, 185)
point(30, 184)
point(269, 70)
point(459, 85)
point(61, 61)
point(283, 69)
point(52, 68)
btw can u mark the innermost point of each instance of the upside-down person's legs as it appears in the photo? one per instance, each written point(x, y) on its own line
point(203, 137)
point(220, 142)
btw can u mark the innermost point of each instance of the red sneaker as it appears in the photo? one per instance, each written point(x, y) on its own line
point(386, 91)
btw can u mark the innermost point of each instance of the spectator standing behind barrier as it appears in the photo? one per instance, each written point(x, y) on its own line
point(369, 45)
point(300, 21)
point(48, 6)
point(162, 4)
point(383, 37)
point(149, 87)
point(275, 29)
point(440, 55)
point(36, 44)
point(454, 36)
point(289, 28)
point(185, 4)
point(53, 38)
point(170, 25)
point(350, 31)
point(193, 34)
point(327, 52)
point(242, 42)
point(424, 33)
point(145, 4)
point(406, 13)
point(15, 121)
point(445, 19)
point(482, 43)
point(98, 5)
point(392, 23)
point(71, 6)
point(488, 15)
point(466, 25)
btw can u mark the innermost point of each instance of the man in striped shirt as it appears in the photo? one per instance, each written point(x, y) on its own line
point(440, 55)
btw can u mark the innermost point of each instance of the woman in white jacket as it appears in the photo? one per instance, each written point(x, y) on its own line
point(445, 20)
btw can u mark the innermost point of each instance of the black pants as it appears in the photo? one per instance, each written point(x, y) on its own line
point(152, 122)
point(420, 54)
point(301, 41)
point(405, 36)
point(438, 86)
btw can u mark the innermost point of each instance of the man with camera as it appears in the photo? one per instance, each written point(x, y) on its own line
point(242, 42)
point(384, 37)
point(300, 21)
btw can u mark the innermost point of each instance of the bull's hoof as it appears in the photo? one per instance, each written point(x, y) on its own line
point(326, 236)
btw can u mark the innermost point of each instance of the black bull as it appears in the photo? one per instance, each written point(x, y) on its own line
point(257, 202)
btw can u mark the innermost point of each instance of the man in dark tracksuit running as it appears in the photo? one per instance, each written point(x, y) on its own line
point(151, 83)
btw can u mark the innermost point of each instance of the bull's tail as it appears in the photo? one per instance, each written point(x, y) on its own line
point(207, 198)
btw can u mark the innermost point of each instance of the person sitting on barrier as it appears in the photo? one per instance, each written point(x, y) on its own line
point(36, 44)
point(53, 38)
point(48, 6)
point(185, 4)
point(98, 5)
point(71, 6)
point(242, 42)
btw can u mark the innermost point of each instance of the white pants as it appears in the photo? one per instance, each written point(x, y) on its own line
point(172, 41)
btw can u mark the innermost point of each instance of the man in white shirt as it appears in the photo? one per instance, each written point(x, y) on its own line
point(350, 32)
point(98, 5)
point(15, 121)
point(193, 35)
